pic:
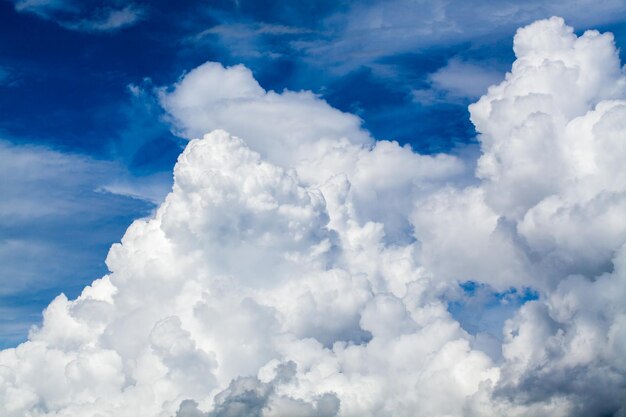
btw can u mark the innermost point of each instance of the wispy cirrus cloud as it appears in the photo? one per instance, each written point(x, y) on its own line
point(4, 74)
point(252, 40)
point(84, 16)
point(69, 209)
point(369, 31)
point(8, 76)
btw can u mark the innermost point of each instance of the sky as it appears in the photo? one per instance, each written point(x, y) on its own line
point(325, 208)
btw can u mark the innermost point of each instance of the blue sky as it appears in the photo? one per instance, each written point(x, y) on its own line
point(85, 147)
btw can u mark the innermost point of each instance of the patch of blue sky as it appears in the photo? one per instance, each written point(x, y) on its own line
point(482, 311)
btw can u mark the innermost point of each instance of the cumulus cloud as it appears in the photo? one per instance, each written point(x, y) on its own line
point(299, 130)
point(249, 396)
point(552, 135)
point(298, 267)
point(212, 96)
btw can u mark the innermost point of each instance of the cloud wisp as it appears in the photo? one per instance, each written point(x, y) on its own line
point(366, 32)
point(66, 214)
point(86, 16)
point(457, 81)
point(298, 267)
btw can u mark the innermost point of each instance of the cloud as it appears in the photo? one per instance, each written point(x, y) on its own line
point(9, 77)
point(550, 135)
point(458, 80)
point(212, 96)
point(5, 75)
point(367, 32)
point(298, 267)
point(249, 396)
point(252, 40)
point(108, 20)
point(84, 16)
point(300, 130)
point(41, 7)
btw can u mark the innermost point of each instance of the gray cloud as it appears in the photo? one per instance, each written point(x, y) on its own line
point(250, 397)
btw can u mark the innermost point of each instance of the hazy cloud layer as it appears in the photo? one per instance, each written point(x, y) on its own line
point(65, 215)
point(365, 32)
point(306, 270)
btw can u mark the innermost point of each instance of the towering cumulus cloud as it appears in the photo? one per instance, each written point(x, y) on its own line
point(300, 268)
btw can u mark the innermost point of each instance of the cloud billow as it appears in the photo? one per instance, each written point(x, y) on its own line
point(248, 396)
point(300, 268)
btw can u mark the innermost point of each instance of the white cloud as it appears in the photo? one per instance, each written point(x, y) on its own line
point(279, 125)
point(551, 135)
point(305, 269)
point(300, 130)
point(464, 79)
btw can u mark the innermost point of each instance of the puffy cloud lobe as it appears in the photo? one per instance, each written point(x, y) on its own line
point(306, 270)
point(299, 130)
point(571, 346)
point(230, 203)
point(552, 135)
point(213, 97)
